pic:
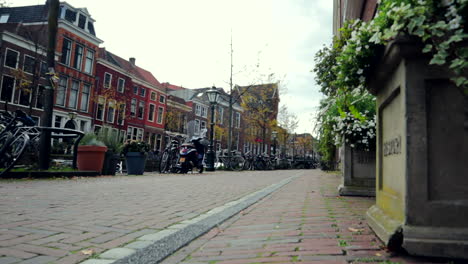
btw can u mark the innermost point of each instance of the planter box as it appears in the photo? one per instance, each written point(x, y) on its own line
point(422, 150)
point(358, 171)
point(135, 162)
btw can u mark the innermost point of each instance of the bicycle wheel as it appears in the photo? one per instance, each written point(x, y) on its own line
point(12, 152)
point(236, 163)
point(164, 162)
point(260, 165)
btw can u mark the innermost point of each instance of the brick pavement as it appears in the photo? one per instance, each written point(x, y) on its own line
point(68, 220)
point(303, 222)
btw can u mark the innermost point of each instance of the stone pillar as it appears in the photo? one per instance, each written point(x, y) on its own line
point(422, 155)
point(358, 169)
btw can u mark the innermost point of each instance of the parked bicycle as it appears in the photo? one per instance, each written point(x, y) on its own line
point(169, 157)
point(20, 132)
point(234, 162)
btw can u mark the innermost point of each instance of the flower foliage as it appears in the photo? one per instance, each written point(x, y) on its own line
point(135, 146)
point(342, 70)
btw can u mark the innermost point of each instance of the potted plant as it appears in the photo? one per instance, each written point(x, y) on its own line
point(114, 147)
point(91, 151)
point(135, 153)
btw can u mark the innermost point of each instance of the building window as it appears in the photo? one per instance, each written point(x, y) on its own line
point(62, 89)
point(158, 142)
point(25, 96)
point(81, 21)
point(153, 96)
point(111, 112)
point(121, 114)
point(141, 109)
point(8, 86)
point(133, 107)
point(85, 97)
point(162, 99)
point(135, 89)
point(204, 111)
point(89, 61)
point(78, 57)
point(238, 120)
point(220, 114)
point(83, 125)
point(139, 134)
point(28, 65)
point(107, 80)
point(142, 91)
point(197, 127)
point(121, 85)
point(73, 99)
point(40, 97)
point(160, 115)
point(151, 111)
point(198, 110)
point(70, 15)
point(202, 125)
point(11, 58)
point(44, 69)
point(66, 51)
point(58, 121)
point(100, 109)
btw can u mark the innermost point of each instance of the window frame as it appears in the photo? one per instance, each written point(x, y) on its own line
point(101, 102)
point(77, 56)
point(141, 110)
point(87, 97)
point(90, 61)
point(162, 99)
point(104, 83)
point(119, 86)
point(12, 89)
point(160, 118)
point(76, 91)
point(67, 59)
point(133, 106)
point(64, 91)
point(6, 56)
point(24, 64)
point(153, 96)
point(151, 115)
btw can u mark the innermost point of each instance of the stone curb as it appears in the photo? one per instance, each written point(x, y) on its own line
point(152, 248)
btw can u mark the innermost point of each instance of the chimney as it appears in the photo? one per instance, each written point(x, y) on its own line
point(132, 61)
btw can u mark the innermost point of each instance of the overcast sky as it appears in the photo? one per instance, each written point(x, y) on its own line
point(187, 42)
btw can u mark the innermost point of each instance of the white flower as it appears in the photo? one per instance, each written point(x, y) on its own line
point(360, 71)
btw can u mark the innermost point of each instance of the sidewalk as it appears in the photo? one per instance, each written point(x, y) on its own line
point(303, 222)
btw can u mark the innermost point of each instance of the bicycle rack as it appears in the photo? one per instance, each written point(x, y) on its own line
point(65, 133)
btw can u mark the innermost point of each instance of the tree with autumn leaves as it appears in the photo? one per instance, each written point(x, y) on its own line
point(260, 104)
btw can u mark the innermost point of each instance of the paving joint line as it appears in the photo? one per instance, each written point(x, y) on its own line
point(153, 248)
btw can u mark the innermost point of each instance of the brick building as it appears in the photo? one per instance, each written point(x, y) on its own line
point(130, 100)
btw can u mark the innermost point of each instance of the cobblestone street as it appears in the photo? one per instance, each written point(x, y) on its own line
point(303, 222)
point(66, 221)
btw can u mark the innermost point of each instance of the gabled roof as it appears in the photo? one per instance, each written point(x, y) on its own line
point(25, 14)
point(127, 66)
point(172, 86)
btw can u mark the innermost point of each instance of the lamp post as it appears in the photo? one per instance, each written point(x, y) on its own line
point(213, 95)
point(274, 134)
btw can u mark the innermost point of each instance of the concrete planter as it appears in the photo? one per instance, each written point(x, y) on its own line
point(422, 150)
point(358, 171)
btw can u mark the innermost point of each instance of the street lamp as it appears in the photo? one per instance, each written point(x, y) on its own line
point(274, 134)
point(213, 95)
point(72, 115)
